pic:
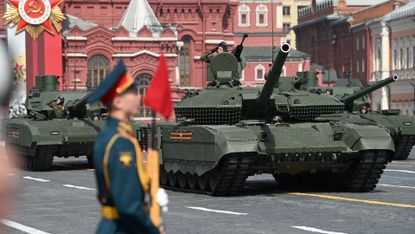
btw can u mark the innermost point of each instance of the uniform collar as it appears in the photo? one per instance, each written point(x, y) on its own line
point(120, 125)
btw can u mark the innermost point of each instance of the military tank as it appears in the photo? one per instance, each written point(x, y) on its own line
point(226, 133)
point(402, 128)
point(52, 127)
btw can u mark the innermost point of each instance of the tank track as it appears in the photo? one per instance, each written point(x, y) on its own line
point(403, 147)
point(41, 161)
point(227, 179)
point(363, 175)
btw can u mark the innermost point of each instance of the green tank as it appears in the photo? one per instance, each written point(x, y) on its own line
point(57, 124)
point(402, 128)
point(226, 133)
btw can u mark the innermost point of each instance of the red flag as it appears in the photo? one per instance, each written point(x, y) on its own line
point(158, 95)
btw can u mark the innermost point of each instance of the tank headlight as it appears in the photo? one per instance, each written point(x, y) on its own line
point(407, 123)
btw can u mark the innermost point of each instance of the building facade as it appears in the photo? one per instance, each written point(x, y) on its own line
point(97, 34)
point(290, 10)
point(393, 43)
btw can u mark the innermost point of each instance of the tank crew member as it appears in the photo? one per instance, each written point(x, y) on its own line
point(364, 110)
point(122, 182)
point(58, 105)
point(329, 91)
point(208, 55)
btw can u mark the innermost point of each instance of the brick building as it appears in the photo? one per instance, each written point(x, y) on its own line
point(97, 34)
point(393, 43)
point(365, 40)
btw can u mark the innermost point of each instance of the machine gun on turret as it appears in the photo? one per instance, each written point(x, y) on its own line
point(77, 109)
point(349, 100)
point(238, 50)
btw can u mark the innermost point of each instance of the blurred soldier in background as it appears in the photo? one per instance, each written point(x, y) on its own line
point(5, 169)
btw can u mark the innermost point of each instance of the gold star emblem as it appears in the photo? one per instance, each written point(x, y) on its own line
point(126, 159)
point(34, 16)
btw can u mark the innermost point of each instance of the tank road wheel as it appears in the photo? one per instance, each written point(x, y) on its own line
point(163, 175)
point(181, 179)
point(192, 181)
point(364, 174)
point(214, 177)
point(41, 161)
point(172, 178)
point(203, 181)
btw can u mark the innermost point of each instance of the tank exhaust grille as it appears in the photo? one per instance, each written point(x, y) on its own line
point(210, 115)
point(309, 112)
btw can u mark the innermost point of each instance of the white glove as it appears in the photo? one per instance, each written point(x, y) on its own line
point(162, 199)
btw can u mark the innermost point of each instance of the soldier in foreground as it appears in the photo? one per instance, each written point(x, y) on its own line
point(123, 184)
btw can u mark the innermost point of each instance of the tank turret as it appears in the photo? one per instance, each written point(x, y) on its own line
point(348, 101)
point(45, 102)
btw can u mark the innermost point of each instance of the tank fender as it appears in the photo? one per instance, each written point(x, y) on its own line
point(208, 145)
point(368, 137)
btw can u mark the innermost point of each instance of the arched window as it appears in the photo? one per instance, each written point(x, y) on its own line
point(261, 15)
point(143, 83)
point(300, 67)
point(259, 72)
point(98, 66)
point(244, 15)
point(185, 63)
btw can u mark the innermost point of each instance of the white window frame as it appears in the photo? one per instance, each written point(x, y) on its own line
point(363, 65)
point(259, 67)
point(244, 9)
point(262, 9)
point(357, 43)
point(363, 42)
point(300, 67)
point(242, 78)
point(357, 66)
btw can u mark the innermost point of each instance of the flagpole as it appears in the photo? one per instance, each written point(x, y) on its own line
point(153, 167)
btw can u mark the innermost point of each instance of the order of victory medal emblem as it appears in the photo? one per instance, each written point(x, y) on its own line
point(34, 16)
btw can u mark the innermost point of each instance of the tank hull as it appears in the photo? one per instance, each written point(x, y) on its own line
point(217, 159)
point(402, 131)
point(35, 143)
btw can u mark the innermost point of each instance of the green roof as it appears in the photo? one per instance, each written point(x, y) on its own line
point(265, 53)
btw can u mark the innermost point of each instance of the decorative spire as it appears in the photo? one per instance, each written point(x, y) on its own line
point(138, 15)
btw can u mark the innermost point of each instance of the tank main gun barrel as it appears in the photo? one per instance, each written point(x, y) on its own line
point(273, 77)
point(348, 101)
point(78, 108)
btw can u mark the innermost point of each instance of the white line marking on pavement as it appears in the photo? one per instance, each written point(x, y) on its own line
point(311, 229)
point(397, 186)
point(78, 187)
point(21, 227)
point(35, 179)
point(403, 171)
point(216, 211)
